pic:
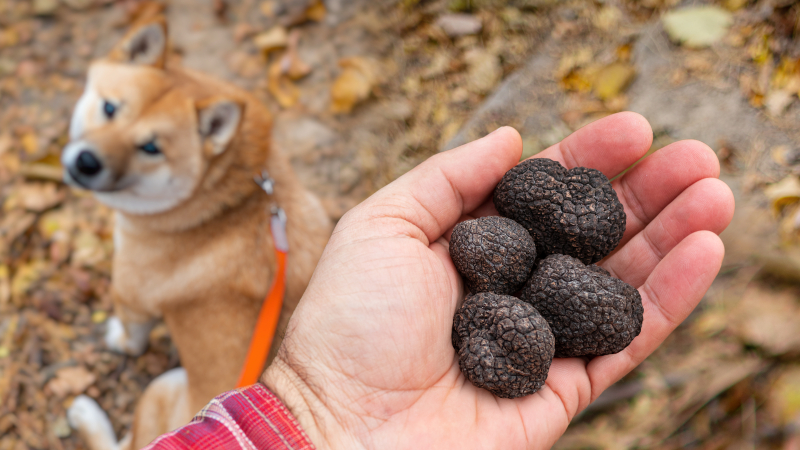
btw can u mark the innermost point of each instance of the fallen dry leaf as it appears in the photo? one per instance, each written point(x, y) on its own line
point(353, 85)
point(316, 11)
point(281, 86)
point(784, 400)
point(26, 275)
point(607, 18)
point(99, 316)
point(300, 11)
point(71, 381)
point(13, 224)
point(267, 8)
point(42, 172)
point(78, 4)
point(142, 10)
point(6, 141)
point(783, 193)
point(777, 101)
point(30, 143)
point(573, 60)
point(89, 250)
point(273, 39)
point(789, 225)
point(768, 319)
point(5, 285)
point(612, 79)
point(37, 197)
point(484, 71)
point(697, 26)
point(245, 65)
point(44, 7)
point(291, 64)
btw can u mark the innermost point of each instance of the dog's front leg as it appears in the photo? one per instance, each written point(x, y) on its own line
point(129, 330)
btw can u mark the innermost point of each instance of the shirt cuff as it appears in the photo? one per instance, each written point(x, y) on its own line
point(247, 418)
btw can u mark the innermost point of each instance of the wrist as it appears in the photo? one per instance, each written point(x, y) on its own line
point(313, 415)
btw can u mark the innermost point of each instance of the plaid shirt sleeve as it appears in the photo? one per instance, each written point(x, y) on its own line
point(247, 418)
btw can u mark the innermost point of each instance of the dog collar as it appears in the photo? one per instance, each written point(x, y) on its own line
point(267, 322)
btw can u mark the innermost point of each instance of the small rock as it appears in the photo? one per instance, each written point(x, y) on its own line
point(456, 25)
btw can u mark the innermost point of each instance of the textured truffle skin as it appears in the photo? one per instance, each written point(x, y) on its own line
point(590, 313)
point(493, 254)
point(572, 212)
point(504, 345)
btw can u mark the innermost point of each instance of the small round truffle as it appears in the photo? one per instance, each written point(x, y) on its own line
point(571, 212)
point(493, 254)
point(504, 345)
point(590, 312)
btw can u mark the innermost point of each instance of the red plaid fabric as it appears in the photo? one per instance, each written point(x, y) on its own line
point(247, 418)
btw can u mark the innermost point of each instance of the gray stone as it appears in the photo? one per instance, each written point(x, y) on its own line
point(455, 25)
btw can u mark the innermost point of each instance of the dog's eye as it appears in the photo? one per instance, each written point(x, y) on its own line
point(150, 148)
point(109, 109)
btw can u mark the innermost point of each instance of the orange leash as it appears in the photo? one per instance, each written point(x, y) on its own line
point(267, 322)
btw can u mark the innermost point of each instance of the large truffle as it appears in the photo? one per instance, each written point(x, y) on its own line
point(590, 312)
point(493, 254)
point(572, 212)
point(504, 345)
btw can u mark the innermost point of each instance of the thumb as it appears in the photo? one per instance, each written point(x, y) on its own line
point(434, 195)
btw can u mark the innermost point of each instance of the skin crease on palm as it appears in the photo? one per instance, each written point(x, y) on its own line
point(368, 361)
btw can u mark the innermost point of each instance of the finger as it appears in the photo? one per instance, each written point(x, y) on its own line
point(670, 293)
point(609, 145)
point(650, 186)
point(705, 205)
point(431, 198)
point(566, 392)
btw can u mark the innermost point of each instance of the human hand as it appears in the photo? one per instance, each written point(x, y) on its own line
point(368, 361)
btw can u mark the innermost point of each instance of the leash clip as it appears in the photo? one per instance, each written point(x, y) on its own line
point(265, 182)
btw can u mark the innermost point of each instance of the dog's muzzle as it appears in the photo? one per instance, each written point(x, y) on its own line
point(83, 167)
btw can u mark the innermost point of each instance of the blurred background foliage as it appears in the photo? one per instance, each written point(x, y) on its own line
point(363, 90)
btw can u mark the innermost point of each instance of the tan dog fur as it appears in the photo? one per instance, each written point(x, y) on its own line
point(193, 246)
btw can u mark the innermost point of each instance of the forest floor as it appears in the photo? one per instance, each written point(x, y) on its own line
point(366, 90)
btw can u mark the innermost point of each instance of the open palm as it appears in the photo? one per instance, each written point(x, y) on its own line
point(368, 361)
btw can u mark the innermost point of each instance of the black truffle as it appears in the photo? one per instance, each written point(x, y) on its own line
point(493, 254)
point(590, 312)
point(572, 212)
point(504, 345)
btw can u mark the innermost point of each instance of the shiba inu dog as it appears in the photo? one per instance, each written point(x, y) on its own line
point(174, 152)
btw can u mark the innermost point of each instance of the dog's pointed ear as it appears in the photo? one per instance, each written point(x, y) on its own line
point(218, 121)
point(145, 44)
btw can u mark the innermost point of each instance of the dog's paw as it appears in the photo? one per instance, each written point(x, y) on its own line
point(86, 416)
point(120, 341)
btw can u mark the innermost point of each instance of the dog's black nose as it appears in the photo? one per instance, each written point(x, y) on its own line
point(87, 163)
